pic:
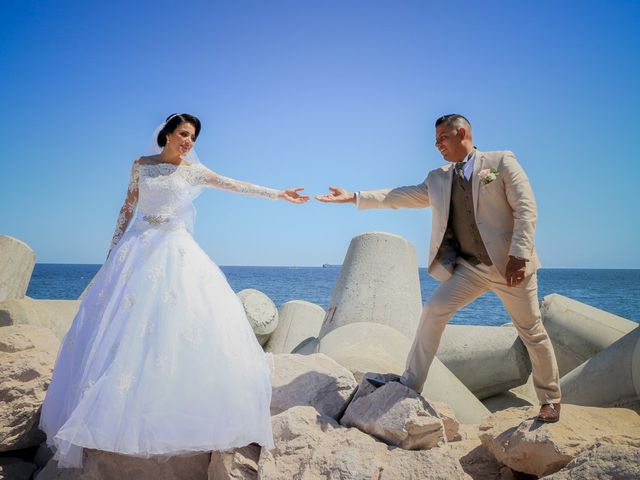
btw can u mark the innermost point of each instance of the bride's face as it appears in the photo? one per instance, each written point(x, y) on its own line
point(182, 138)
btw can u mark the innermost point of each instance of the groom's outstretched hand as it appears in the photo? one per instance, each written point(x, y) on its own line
point(293, 196)
point(337, 195)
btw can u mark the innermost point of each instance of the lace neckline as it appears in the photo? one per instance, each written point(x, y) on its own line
point(167, 164)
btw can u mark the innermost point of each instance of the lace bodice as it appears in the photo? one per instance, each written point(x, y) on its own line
point(163, 194)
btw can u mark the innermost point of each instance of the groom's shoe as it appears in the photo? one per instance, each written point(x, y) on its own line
point(379, 382)
point(549, 413)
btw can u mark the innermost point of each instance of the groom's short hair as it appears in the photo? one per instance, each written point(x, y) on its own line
point(454, 120)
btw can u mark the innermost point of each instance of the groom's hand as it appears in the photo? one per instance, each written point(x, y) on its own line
point(515, 271)
point(293, 196)
point(337, 195)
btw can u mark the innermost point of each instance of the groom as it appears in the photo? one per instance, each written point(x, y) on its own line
point(484, 218)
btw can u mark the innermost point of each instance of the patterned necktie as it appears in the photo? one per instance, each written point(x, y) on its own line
point(459, 169)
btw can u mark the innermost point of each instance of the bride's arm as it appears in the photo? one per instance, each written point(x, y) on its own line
point(129, 207)
point(204, 176)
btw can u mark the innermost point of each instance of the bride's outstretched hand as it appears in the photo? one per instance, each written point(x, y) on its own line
point(337, 195)
point(293, 196)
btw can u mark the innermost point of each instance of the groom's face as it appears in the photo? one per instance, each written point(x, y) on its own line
point(449, 142)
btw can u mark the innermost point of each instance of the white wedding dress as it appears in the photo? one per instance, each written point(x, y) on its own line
point(160, 359)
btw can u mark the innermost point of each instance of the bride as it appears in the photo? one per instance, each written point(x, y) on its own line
point(160, 359)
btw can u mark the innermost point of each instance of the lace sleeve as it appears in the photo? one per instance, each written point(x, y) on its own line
point(126, 212)
point(203, 176)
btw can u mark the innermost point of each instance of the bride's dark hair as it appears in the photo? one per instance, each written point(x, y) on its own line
point(173, 121)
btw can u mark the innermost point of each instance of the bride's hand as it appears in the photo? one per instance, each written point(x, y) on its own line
point(293, 196)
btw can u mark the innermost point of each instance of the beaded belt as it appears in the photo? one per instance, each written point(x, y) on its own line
point(155, 219)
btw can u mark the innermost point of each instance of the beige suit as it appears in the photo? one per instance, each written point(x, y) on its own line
point(505, 213)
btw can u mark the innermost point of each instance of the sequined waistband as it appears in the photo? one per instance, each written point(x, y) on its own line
point(170, 222)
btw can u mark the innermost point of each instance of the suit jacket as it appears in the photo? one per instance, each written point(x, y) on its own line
point(505, 210)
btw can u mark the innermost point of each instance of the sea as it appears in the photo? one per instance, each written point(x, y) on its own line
point(615, 291)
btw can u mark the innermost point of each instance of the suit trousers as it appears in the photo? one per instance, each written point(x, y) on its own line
point(521, 302)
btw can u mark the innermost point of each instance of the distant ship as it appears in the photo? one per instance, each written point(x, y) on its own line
point(327, 265)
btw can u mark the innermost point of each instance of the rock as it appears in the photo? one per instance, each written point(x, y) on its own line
point(15, 469)
point(529, 446)
point(602, 462)
point(449, 420)
point(99, 465)
point(444, 386)
point(27, 356)
point(297, 321)
point(56, 315)
point(370, 347)
point(307, 347)
point(309, 446)
point(610, 379)
point(487, 360)
point(261, 312)
point(314, 380)
point(17, 260)
point(579, 331)
point(367, 347)
point(395, 414)
point(378, 283)
point(239, 464)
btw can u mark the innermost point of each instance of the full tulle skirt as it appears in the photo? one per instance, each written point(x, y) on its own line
point(160, 359)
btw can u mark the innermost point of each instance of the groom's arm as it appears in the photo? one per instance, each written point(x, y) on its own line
point(523, 204)
point(412, 196)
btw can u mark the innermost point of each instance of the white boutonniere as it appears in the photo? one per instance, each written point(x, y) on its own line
point(488, 175)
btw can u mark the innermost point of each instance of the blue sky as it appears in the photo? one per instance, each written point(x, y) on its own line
point(315, 94)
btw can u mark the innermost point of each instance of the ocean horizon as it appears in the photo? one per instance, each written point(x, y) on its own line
point(616, 291)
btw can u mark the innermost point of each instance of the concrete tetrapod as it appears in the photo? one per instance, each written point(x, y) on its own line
point(610, 379)
point(17, 260)
point(261, 313)
point(488, 360)
point(56, 315)
point(297, 321)
point(378, 283)
point(372, 347)
point(579, 331)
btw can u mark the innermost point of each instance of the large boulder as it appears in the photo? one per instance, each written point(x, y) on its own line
point(261, 312)
point(237, 464)
point(378, 283)
point(56, 315)
point(526, 445)
point(610, 379)
point(309, 446)
point(602, 461)
point(579, 331)
point(396, 415)
point(99, 465)
point(297, 321)
point(314, 380)
point(487, 360)
point(27, 357)
point(17, 260)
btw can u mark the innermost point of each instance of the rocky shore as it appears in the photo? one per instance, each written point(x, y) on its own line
point(475, 418)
